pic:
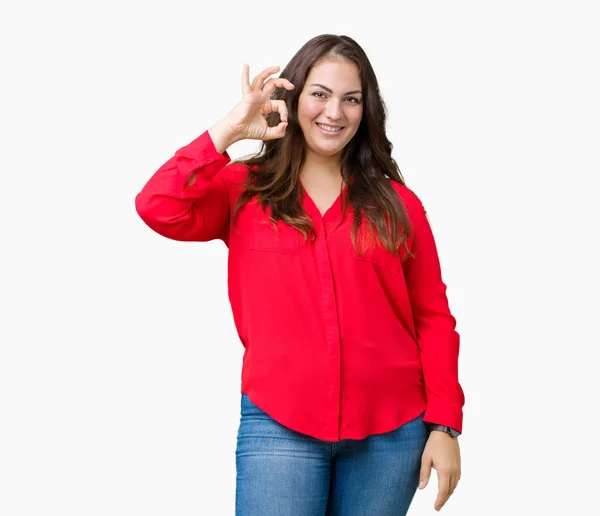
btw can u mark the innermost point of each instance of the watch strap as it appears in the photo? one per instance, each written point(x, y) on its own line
point(443, 428)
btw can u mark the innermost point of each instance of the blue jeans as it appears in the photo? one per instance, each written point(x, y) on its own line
point(281, 472)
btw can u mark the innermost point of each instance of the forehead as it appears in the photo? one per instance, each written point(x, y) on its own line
point(339, 74)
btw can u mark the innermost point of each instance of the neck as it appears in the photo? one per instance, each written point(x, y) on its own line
point(321, 168)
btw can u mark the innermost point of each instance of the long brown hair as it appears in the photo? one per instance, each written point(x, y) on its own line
point(273, 175)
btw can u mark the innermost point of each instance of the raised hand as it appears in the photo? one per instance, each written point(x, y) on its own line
point(247, 119)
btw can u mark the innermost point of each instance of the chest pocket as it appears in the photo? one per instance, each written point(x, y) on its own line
point(282, 239)
point(382, 258)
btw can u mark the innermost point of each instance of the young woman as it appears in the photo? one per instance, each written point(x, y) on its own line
point(350, 391)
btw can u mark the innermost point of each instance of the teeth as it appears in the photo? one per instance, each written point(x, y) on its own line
point(330, 129)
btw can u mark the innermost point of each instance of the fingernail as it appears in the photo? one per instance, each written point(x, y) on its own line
point(421, 484)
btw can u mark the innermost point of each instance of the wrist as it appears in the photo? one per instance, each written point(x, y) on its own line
point(441, 434)
point(222, 135)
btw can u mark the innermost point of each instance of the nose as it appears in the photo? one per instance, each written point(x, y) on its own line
point(333, 110)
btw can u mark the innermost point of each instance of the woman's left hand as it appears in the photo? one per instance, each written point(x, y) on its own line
point(443, 454)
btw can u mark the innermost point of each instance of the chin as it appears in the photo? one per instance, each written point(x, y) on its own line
point(328, 150)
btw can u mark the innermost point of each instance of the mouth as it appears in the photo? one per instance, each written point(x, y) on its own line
point(330, 130)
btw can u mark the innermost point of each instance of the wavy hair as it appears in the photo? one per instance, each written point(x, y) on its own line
point(366, 163)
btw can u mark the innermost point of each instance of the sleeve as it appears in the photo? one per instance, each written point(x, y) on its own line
point(199, 212)
point(435, 326)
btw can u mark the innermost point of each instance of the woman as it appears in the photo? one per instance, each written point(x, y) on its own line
point(350, 392)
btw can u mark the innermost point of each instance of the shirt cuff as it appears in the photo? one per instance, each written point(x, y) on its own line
point(440, 413)
point(203, 150)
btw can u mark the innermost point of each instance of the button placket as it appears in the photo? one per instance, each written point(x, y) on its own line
point(330, 315)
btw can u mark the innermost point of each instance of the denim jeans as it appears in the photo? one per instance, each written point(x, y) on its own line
point(281, 472)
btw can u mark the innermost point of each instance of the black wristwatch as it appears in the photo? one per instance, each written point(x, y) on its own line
point(444, 428)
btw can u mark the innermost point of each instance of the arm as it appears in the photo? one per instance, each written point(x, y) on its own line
point(187, 198)
point(435, 326)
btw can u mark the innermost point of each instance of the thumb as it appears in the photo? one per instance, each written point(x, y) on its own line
point(276, 132)
point(425, 473)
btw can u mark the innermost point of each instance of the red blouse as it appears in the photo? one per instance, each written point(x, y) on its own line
point(337, 346)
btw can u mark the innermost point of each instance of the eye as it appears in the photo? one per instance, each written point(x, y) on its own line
point(353, 99)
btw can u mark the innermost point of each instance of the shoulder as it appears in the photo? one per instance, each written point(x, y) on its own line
point(409, 197)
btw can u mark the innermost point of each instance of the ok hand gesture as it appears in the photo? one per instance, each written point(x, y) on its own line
point(247, 119)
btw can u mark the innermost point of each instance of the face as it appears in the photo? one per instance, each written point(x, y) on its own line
point(331, 97)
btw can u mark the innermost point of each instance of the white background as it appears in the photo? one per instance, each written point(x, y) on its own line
point(120, 365)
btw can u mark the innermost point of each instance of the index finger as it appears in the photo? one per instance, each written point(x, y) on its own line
point(443, 491)
point(271, 84)
point(257, 83)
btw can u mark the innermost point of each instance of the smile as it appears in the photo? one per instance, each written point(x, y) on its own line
point(329, 129)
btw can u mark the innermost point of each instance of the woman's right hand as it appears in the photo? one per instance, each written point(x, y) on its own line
point(247, 119)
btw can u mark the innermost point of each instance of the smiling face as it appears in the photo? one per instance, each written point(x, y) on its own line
point(331, 99)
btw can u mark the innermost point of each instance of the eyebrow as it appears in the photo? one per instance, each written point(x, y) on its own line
point(331, 91)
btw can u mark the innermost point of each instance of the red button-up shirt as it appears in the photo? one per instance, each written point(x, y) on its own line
point(337, 346)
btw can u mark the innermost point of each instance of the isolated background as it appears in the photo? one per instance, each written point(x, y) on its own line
point(119, 361)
